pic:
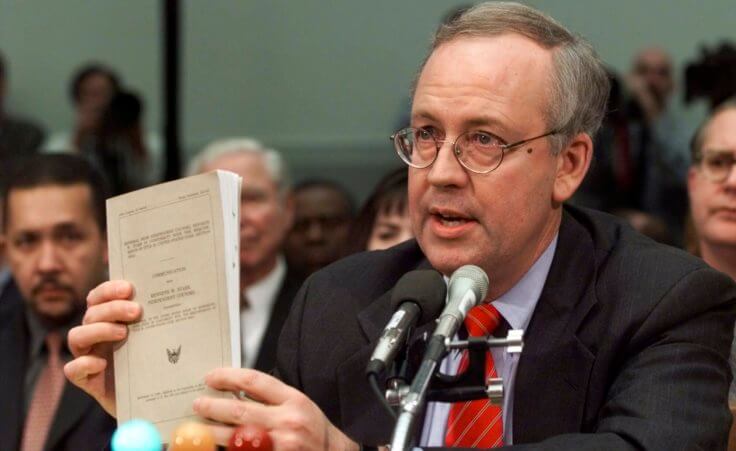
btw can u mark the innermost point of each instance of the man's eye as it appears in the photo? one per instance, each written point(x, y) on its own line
point(718, 161)
point(484, 139)
point(24, 242)
point(425, 134)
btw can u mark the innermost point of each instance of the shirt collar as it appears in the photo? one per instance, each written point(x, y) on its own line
point(518, 304)
point(38, 331)
point(263, 293)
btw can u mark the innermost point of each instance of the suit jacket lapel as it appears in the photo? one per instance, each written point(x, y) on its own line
point(363, 408)
point(73, 406)
point(554, 367)
point(13, 343)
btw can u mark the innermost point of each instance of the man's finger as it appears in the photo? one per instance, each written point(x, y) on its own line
point(82, 338)
point(255, 384)
point(110, 290)
point(113, 312)
point(233, 411)
point(80, 369)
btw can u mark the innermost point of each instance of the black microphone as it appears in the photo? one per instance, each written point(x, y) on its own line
point(418, 298)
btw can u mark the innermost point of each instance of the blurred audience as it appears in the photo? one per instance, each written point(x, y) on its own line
point(383, 221)
point(91, 89)
point(267, 285)
point(122, 148)
point(18, 137)
point(108, 130)
point(323, 212)
point(54, 239)
point(641, 150)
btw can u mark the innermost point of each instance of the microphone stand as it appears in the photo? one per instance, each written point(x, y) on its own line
point(412, 401)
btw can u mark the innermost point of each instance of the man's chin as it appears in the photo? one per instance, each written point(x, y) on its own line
point(54, 309)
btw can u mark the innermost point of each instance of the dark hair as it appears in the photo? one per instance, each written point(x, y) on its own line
point(58, 169)
point(389, 196)
point(329, 185)
point(90, 70)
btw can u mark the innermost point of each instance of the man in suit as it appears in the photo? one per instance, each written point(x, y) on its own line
point(54, 242)
point(267, 284)
point(626, 341)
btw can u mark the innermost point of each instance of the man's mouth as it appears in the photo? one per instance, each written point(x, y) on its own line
point(450, 223)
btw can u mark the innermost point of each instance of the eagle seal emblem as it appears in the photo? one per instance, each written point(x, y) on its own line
point(173, 354)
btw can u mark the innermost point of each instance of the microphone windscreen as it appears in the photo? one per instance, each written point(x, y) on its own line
point(424, 287)
point(471, 277)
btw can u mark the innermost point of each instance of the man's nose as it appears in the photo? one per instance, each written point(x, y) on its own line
point(446, 169)
point(315, 231)
point(730, 181)
point(48, 258)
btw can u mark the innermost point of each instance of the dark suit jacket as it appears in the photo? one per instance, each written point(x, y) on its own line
point(627, 348)
point(80, 423)
point(266, 359)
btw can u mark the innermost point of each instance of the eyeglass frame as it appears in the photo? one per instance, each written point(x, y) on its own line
point(700, 158)
point(439, 142)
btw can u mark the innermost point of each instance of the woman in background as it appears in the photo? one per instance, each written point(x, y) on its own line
point(383, 221)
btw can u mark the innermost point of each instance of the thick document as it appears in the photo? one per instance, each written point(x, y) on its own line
point(178, 244)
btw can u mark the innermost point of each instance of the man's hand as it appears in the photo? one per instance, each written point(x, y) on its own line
point(105, 323)
point(291, 419)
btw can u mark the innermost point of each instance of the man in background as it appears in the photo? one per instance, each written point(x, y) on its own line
point(711, 184)
point(266, 214)
point(323, 213)
point(55, 246)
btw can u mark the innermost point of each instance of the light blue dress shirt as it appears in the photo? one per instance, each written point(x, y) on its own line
point(516, 306)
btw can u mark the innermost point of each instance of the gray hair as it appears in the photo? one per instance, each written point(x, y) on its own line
point(579, 83)
point(696, 144)
point(272, 159)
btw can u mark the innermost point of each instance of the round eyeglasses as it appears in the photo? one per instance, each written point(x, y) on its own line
point(717, 165)
point(477, 151)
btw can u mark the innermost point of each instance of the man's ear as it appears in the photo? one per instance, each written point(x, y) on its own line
point(573, 162)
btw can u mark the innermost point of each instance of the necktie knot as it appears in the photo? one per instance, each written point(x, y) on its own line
point(53, 343)
point(482, 320)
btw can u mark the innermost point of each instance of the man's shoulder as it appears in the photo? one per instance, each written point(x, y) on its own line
point(631, 264)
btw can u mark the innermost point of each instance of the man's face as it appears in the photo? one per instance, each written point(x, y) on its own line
point(503, 220)
point(713, 205)
point(265, 216)
point(54, 248)
point(95, 93)
point(321, 225)
point(655, 69)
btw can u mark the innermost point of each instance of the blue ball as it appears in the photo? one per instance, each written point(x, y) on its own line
point(136, 435)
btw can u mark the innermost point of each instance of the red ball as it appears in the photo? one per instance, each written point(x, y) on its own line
point(250, 438)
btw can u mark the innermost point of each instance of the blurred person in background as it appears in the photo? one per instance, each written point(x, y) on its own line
point(323, 213)
point(711, 184)
point(267, 284)
point(108, 130)
point(91, 89)
point(122, 149)
point(383, 221)
point(56, 249)
point(18, 137)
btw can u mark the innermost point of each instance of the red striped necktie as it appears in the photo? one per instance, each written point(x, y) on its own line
point(479, 423)
point(46, 397)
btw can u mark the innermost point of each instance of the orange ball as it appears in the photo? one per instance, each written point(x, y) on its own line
point(192, 436)
point(250, 438)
